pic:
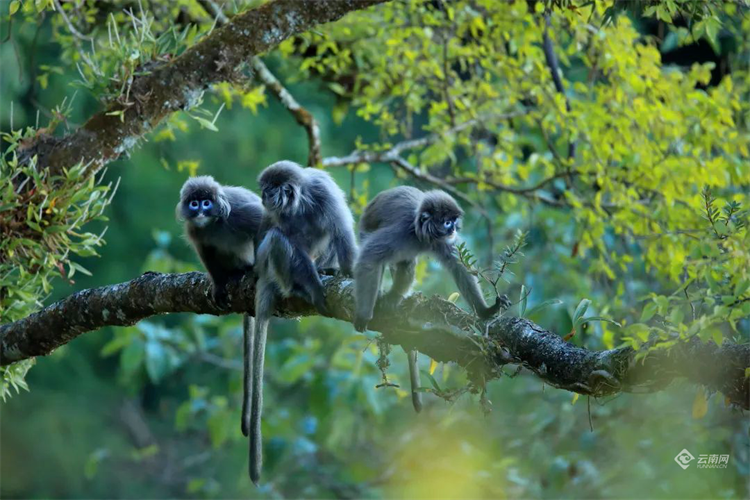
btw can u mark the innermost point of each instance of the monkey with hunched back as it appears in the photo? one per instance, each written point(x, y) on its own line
point(397, 226)
point(309, 226)
point(222, 224)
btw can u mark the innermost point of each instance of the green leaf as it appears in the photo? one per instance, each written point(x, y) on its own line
point(545, 304)
point(581, 310)
point(14, 6)
point(218, 428)
point(131, 357)
point(718, 337)
point(523, 301)
point(648, 312)
point(599, 318)
point(432, 380)
point(79, 268)
point(205, 123)
point(157, 363)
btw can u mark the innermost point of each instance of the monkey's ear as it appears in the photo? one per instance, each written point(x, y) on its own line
point(224, 206)
point(178, 212)
point(424, 216)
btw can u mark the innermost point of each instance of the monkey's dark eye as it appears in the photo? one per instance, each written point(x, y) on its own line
point(287, 189)
point(194, 205)
point(207, 204)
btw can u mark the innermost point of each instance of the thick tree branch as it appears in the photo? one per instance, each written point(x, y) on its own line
point(431, 325)
point(177, 85)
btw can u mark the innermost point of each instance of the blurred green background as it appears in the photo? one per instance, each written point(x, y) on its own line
point(152, 411)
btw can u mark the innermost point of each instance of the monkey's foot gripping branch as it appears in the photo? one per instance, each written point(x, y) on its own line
point(430, 325)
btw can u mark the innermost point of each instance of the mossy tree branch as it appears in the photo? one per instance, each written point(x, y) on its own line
point(433, 326)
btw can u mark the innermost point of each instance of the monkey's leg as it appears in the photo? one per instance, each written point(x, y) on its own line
point(265, 301)
point(403, 276)
point(367, 277)
point(248, 332)
point(416, 394)
point(306, 276)
point(279, 251)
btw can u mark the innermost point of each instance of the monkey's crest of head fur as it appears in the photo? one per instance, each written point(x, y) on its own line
point(281, 186)
point(436, 207)
point(203, 187)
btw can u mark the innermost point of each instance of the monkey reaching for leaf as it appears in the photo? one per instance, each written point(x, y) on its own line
point(222, 224)
point(397, 226)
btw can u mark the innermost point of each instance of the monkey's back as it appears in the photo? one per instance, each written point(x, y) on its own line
point(397, 204)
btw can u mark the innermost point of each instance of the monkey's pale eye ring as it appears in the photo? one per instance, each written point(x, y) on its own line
point(448, 224)
point(194, 205)
point(207, 204)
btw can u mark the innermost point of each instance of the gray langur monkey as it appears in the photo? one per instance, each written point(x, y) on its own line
point(397, 226)
point(309, 225)
point(222, 224)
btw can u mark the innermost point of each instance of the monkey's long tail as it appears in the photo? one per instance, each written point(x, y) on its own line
point(416, 394)
point(256, 411)
point(248, 331)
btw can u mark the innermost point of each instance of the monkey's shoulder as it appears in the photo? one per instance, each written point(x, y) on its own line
point(240, 196)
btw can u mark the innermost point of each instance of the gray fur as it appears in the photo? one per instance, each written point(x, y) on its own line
point(308, 224)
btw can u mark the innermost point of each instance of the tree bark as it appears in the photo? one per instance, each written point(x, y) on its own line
point(431, 325)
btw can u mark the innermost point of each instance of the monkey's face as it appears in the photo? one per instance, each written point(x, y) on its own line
point(280, 197)
point(439, 226)
point(200, 210)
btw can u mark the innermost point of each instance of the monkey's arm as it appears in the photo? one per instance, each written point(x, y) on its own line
point(467, 284)
point(368, 273)
point(346, 249)
point(292, 266)
point(220, 275)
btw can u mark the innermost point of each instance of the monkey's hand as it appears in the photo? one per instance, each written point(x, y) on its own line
point(501, 304)
point(319, 302)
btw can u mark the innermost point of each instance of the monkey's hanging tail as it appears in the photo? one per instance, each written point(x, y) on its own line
point(248, 331)
point(265, 300)
point(416, 394)
point(256, 408)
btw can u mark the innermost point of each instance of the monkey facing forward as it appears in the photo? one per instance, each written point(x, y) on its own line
point(222, 225)
point(397, 226)
point(309, 225)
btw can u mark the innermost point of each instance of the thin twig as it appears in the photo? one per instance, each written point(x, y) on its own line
point(554, 68)
point(262, 73)
point(69, 23)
